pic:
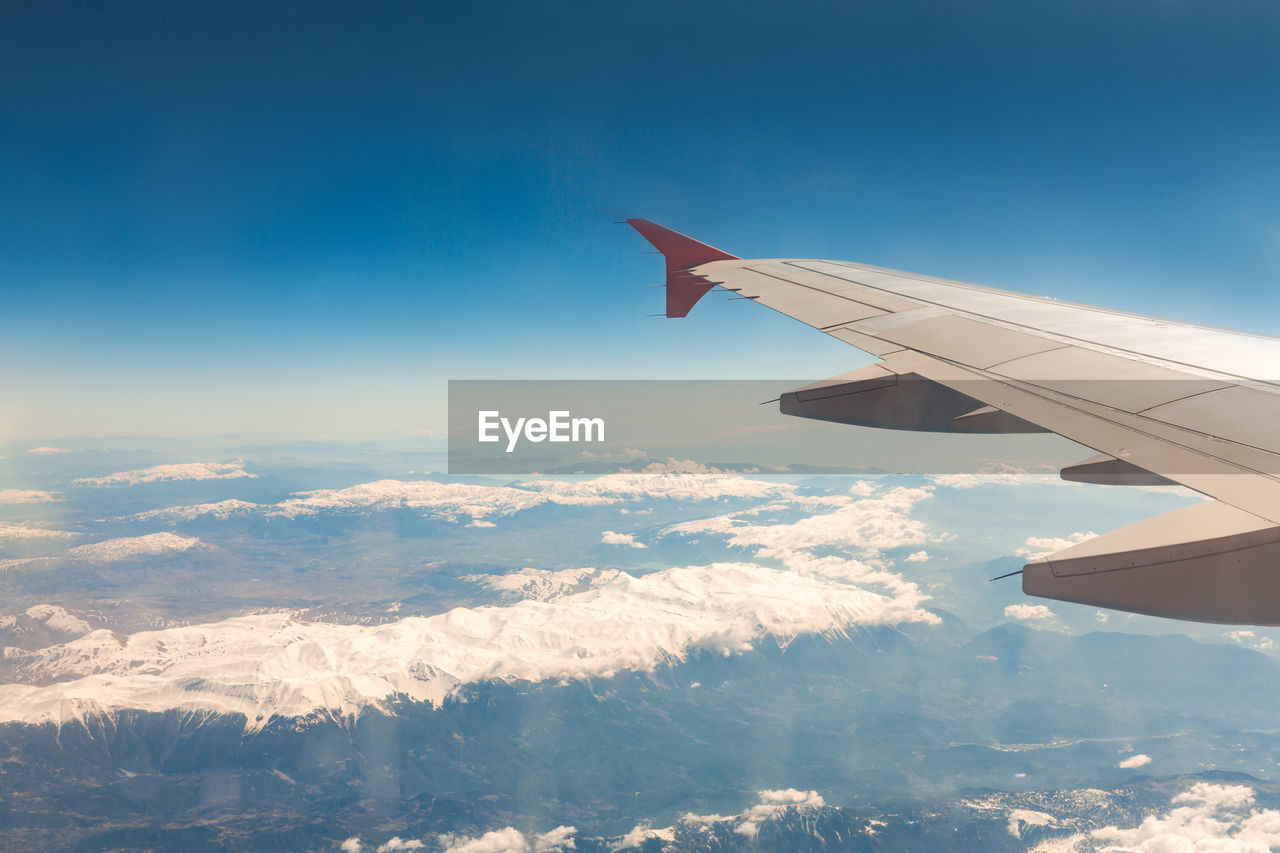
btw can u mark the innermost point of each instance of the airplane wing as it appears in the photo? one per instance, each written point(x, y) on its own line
point(1159, 400)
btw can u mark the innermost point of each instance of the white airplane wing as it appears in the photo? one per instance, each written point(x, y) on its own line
point(1159, 400)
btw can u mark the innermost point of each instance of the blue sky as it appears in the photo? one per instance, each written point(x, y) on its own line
point(301, 219)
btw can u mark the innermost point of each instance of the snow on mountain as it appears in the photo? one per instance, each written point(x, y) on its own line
point(771, 806)
point(455, 501)
point(18, 531)
point(273, 664)
point(545, 584)
point(58, 619)
point(161, 473)
point(448, 500)
point(672, 486)
point(46, 451)
point(26, 496)
point(221, 509)
point(111, 550)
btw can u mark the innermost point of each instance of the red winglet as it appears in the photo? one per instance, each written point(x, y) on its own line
point(684, 289)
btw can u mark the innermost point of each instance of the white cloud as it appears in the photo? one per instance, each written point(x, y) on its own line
point(480, 522)
point(1027, 612)
point(46, 451)
point(1042, 546)
point(918, 557)
point(1207, 817)
point(557, 840)
point(152, 544)
point(1251, 639)
point(166, 473)
point(871, 524)
point(1134, 761)
point(273, 664)
point(609, 537)
point(774, 803)
point(26, 496)
point(868, 526)
point(642, 833)
point(397, 843)
point(509, 840)
point(351, 845)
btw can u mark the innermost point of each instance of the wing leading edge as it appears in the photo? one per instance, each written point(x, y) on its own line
point(1160, 401)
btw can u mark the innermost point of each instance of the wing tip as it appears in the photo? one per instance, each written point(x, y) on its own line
point(681, 252)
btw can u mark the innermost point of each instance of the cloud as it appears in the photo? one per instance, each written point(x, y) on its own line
point(773, 804)
point(1037, 547)
point(1027, 612)
point(351, 845)
point(46, 451)
point(1206, 817)
point(871, 524)
point(918, 557)
point(557, 840)
point(642, 833)
point(114, 550)
point(266, 665)
point(1251, 639)
point(1134, 761)
point(397, 843)
point(26, 496)
point(867, 526)
point(166, 473)
point(609, 537)
point(509, 840)
point(480, 522)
